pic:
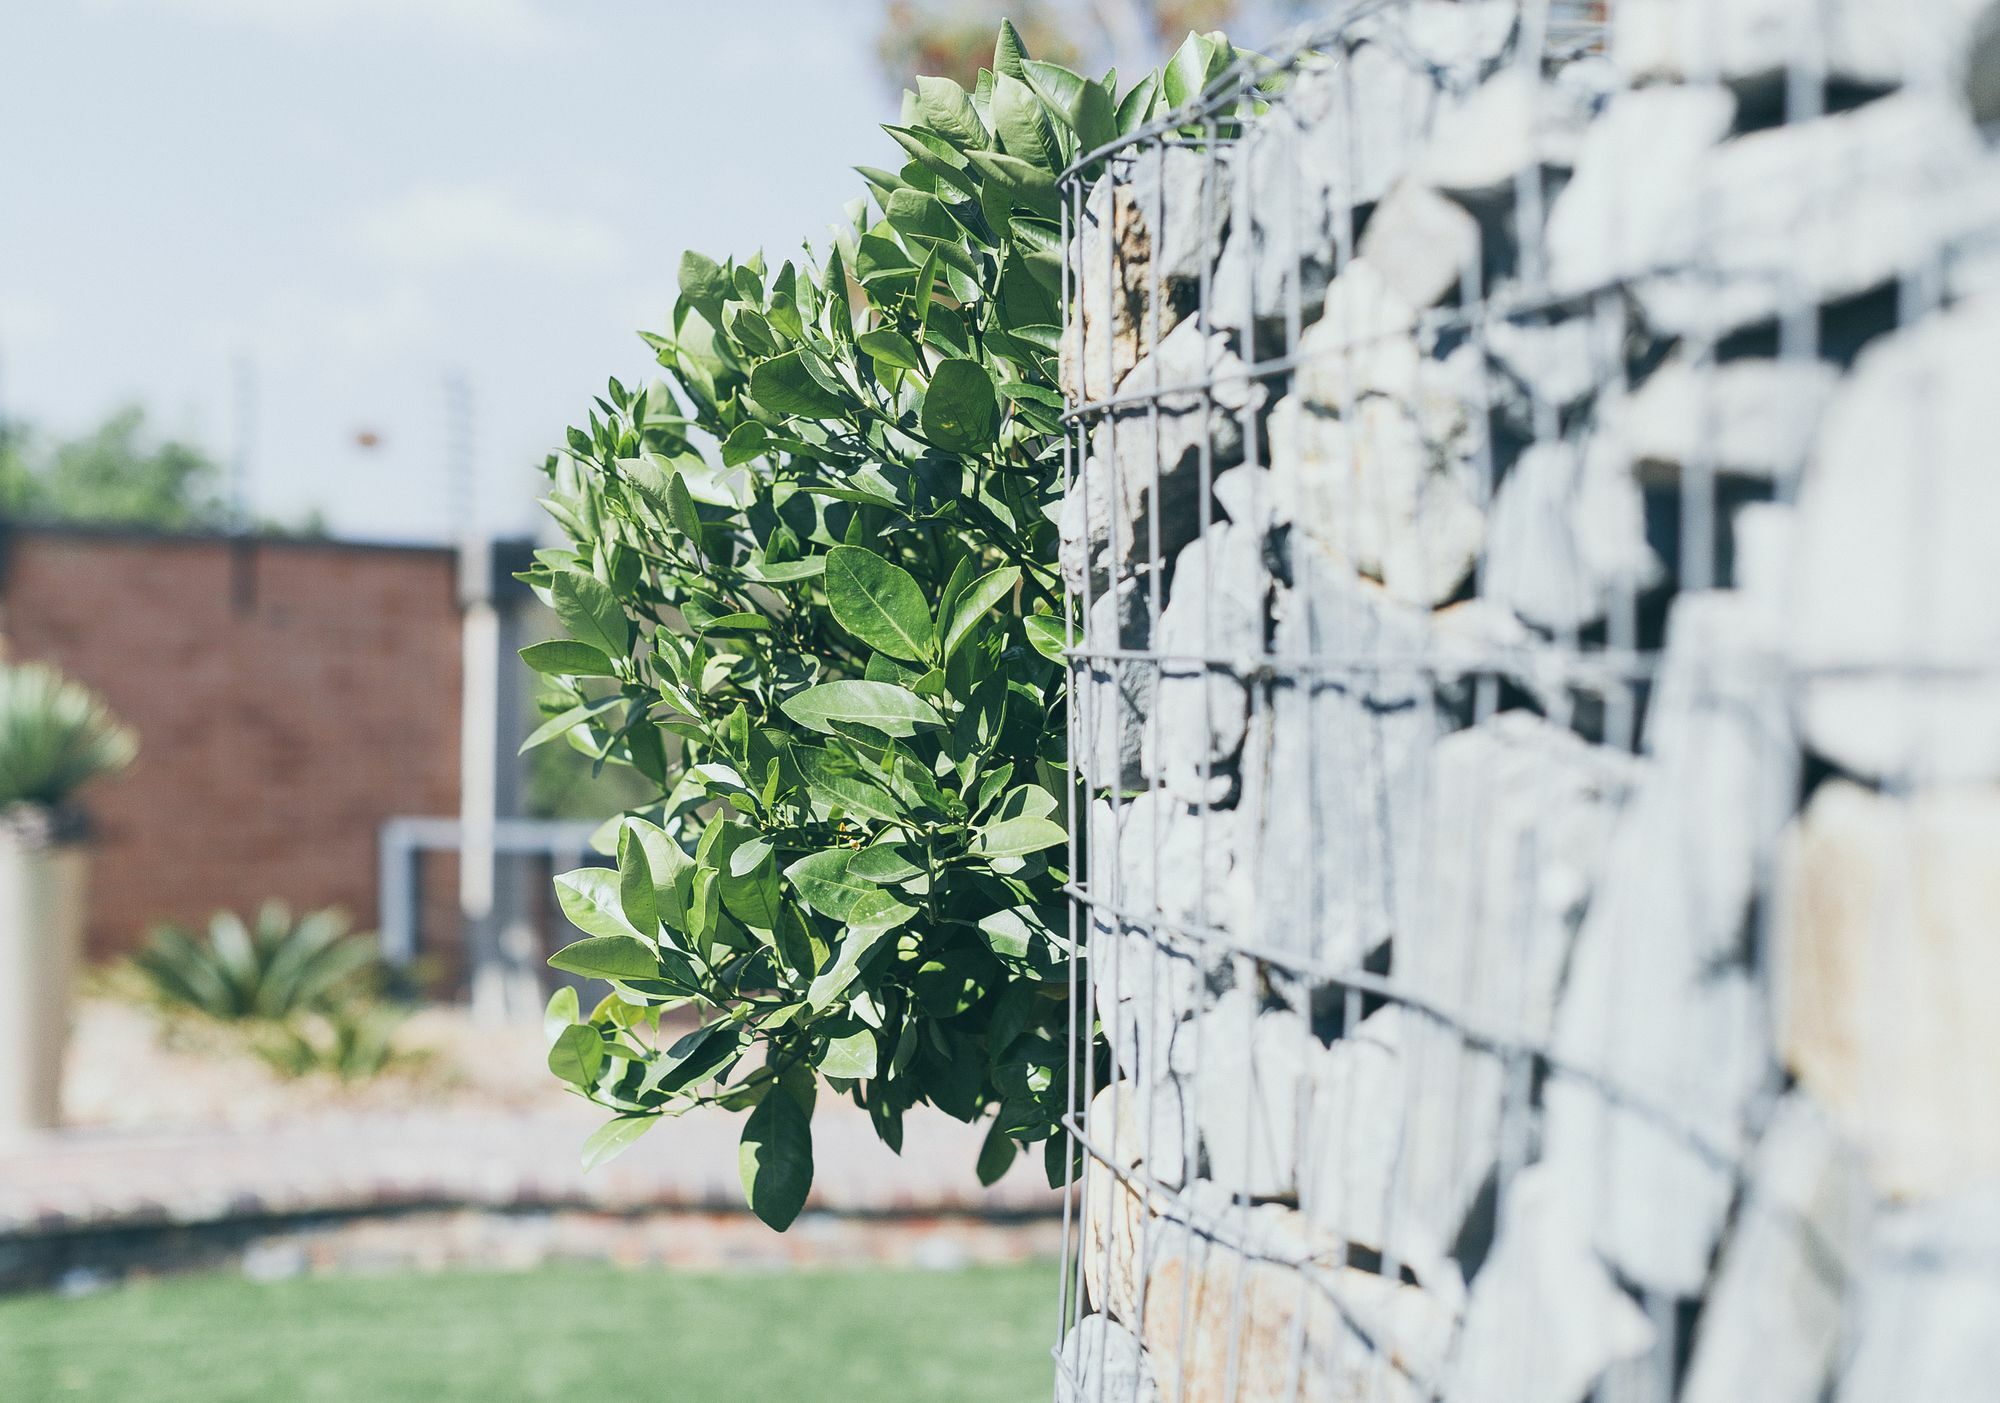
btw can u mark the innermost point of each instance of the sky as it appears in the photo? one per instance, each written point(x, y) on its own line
point(307, 216)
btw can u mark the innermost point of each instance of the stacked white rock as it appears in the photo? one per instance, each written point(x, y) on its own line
point(1539, 697)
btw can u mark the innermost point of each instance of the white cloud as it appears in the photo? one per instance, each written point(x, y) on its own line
point(455, 225)
point(508, 24)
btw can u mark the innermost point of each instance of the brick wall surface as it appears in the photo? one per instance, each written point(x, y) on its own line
point(288, 695)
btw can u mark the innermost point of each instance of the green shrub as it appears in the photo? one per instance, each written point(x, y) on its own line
point(55, 736)
point(831, 644)
point(270, 970)
point(350, 1042)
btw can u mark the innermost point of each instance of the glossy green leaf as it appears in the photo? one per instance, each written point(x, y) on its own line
point(985, 592)
point(784, 385)
point(1016, 837)
point(852, 1056)
point(608, 957)
point(776, 1161)
point(613, 1138)
point(578, 1055)
point(961, 412)
point(591, 612)
point(892, 710)
point(879, 603)
point(561, 657)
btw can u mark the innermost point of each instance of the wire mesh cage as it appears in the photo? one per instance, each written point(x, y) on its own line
point(1536, 715)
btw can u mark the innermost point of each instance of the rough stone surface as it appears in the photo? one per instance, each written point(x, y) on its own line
point(1862, 40)
point(1632, 169)
point(1557, 362)
point(1654, 1002)
point(1114, 697)
point(1144, 472)
point(1421, 243)
point(1166, 859)
point(1894, 574)
point(1521, 813)
point(1344, 135)
point(1225, 1307)
point(1211, 634)
point(1817, 211)
point(1566, 537)
point(1121, 1231)
point(1123, 263)
point(1104, 1362)
point(1508, 125)
point(1751, 418)
point(1545, 1318)
point(1143, 988)
point(1333, 786)
point(1249, 1091)
point(1403, 1128)
point(1922, 1321)
point(1370, 490)
point(1888, 963)
point(1772, 1324)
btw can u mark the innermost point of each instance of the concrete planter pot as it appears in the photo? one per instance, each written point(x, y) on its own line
point(41, 944)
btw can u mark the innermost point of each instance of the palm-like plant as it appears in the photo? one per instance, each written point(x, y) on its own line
point(272, 970)
point(55, 736)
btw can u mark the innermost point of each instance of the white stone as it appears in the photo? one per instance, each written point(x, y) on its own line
point(1114, 698)
point(1751, 418)
point(1804, 214)
point(1511, 123)
point(1887, 911)
point(1867, 41)
point(1459, 40)
point(1249, 1092)
point(1103, 1362)
point(1521, 813)
point(1545, 1318)
point(1255, 1306)
point(1344, 134)
point(1121, 1232)
point(1378, 490)
point(1894, 577)
point(1365, 343)
point(1159, 859)
point(1421, 243)
point(1632, 170)
point(1143, 987)
point(1559, 363)
point(1655, 1002)
point(1402, 1130)
point(1350, 1133)
point(1771, 1326)
point(1122, 260)
point(1333, 782)
point(1566, 538)
point(1211, 634)
point(1922, 1325)
point(1145, 468)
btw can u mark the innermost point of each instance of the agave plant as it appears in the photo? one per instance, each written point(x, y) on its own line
point(55, 736)
point(274, 969)
point(349, 1043)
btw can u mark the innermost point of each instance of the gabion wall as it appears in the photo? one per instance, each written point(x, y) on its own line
point(1531, 532)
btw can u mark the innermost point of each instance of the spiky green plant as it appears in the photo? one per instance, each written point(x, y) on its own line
point(55, 736)
point(275, 969)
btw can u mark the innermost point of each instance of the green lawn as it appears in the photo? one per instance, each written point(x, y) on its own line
point(578, 1334)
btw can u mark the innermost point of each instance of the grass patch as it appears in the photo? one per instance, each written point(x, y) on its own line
point(979, 1335)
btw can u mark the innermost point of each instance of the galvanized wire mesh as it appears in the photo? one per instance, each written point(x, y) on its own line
point(1537, 716)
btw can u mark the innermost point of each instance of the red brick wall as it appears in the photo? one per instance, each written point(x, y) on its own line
point(288, 695)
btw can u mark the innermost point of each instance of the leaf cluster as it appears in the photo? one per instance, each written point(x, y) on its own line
point(809, 598)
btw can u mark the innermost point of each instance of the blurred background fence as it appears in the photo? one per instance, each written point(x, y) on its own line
point(1536, 701)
